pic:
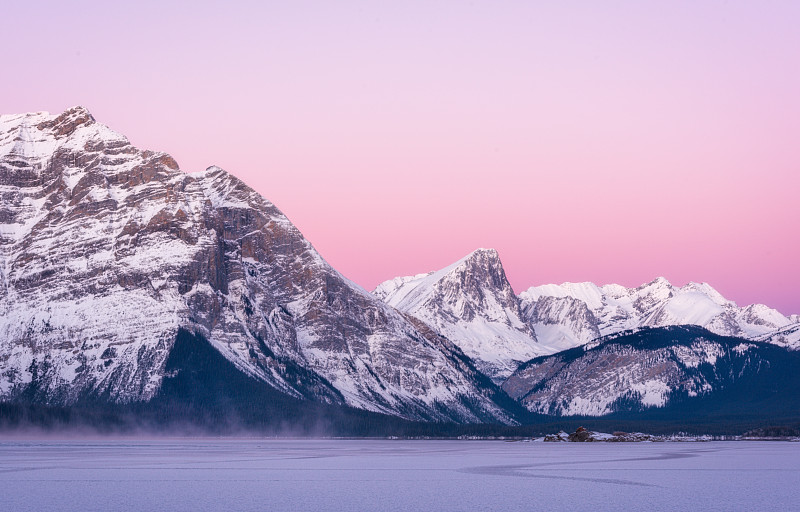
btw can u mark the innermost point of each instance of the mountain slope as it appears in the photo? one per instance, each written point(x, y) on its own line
point(107, 251)
point(572, 314)
point(667, 367)
point(471, 303)
point(788, 336)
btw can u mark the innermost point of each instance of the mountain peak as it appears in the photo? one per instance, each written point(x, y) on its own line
point(476, 256)
point(660, 282)
point(78, 111)
point(475, 272)
point(471, 303)
point(483, 253)
point(480, 258)
point(68, 121)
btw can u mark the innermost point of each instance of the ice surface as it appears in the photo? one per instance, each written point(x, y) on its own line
point(318, 475)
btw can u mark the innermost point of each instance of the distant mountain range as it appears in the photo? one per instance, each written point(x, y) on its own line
point(472, 303)
point(126, 281)
point(571, 314)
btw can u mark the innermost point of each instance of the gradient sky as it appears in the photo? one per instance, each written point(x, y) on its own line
point(585, 141)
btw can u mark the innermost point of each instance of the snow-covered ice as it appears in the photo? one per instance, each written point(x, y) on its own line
point(260, 474)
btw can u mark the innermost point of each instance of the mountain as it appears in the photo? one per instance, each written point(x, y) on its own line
point(685, 371)
point(128, 283)
point(572, 314)
point(108, 252)
point(471, 303)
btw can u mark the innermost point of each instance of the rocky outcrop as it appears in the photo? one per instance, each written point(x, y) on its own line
point(582, 435)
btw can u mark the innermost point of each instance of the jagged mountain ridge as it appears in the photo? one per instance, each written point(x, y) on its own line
point(471, 303)
point(680, 367)
point(560, 317)
point(572, 314)
point(107, 251)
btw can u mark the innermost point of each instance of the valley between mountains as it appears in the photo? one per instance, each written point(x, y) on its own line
point(127, 285)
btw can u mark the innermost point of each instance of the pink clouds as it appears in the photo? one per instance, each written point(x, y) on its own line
point(604, 144)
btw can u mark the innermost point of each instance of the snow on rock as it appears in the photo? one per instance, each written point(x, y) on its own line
point(572, 314)
point(788, 336)
point(106, 251)
point(471, 303)
point(635, 371)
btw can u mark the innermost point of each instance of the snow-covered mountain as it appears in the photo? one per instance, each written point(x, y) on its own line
point(108, 251)
point(572, 314)
point(109, 254)
point(471, 303)
point(686, 368)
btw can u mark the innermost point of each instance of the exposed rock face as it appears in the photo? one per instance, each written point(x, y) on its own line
point(651, 368)
point(471, 303)
point(572, 314)
point(107, 250)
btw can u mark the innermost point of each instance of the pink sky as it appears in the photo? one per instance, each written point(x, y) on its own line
point(584, 143)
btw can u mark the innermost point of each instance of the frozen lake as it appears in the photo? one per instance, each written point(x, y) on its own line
point(289, 475)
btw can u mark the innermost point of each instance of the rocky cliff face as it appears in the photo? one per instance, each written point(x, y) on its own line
point(471, 303)
point(106, 251)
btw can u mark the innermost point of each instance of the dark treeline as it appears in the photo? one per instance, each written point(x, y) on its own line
point(336, 422)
